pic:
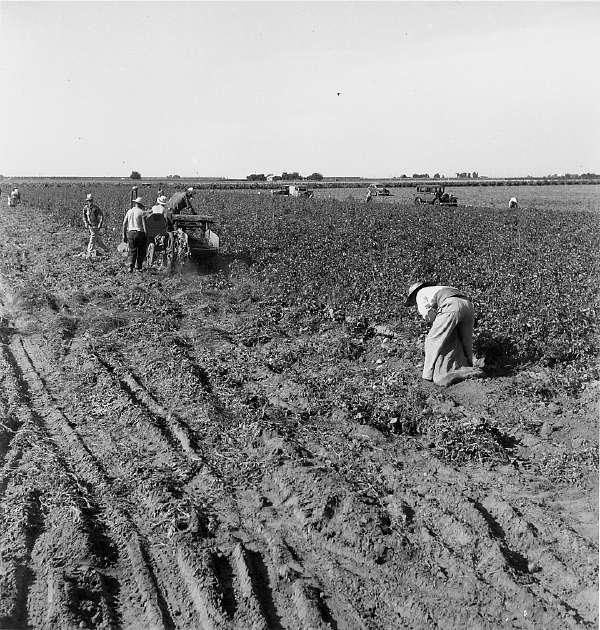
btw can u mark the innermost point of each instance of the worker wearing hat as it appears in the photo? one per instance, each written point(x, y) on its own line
point(14, 198)
point(134, 234)
point(159, 207)
point(93, 219)
point(180, 203)
point(449, 344)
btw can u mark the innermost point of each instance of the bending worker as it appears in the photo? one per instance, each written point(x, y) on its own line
point(134, 234)
point(180, 203)
point(93, 219)
point(449, 344)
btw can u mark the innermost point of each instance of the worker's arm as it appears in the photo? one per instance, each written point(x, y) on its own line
point(100, 218)
point(85, 217)
point(125, 227)
point(426, 309)
point(188, 205)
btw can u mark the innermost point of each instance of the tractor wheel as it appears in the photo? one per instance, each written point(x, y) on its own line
point(436, 201)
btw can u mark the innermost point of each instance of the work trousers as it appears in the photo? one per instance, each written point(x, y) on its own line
point(449, 344)
point(137, 248)
point(95, 240)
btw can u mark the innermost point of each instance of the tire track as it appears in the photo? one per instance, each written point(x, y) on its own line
point(156, 608)
point(87, 466)
point(175, 428)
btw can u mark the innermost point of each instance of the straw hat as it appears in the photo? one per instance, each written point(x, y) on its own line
point(139, 200)
point(411, 294)
point(162, 200)
point(89, 197)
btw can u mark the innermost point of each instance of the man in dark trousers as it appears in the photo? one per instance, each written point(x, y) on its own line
point(134, 234)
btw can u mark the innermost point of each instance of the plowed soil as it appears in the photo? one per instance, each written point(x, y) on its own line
point(162, 466)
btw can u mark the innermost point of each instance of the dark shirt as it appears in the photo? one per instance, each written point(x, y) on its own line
point(179, 202)
point(92, 215)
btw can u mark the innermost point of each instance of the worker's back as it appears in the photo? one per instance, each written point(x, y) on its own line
point(177, 202)
point(156, 225)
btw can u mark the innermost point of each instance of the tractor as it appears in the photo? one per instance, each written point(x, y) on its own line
point(191, 237)
point(434, 195)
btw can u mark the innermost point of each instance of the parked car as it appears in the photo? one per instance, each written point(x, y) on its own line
point(435, 195)
point(379, 191)
point(292, 191)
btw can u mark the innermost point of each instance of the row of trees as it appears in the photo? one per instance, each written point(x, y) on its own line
point(285, 176)
point(574, 176)
point(317, 177)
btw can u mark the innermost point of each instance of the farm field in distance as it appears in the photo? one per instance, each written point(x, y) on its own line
point(580, 197)
point(250, 444)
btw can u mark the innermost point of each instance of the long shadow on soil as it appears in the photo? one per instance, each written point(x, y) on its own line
point(260, 574)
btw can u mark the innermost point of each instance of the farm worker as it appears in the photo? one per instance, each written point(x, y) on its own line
point(180, 202)
point(369, 195)
point(15, 197)
point(159, 206)
point(134, 234)
point(513, 203)
point(449, 344)
point(93, 219)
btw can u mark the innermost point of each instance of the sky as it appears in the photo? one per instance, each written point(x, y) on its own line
point(369, 89)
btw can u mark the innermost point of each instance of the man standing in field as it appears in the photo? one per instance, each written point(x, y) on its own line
point(93, 219)
point(134, 234)
point(15, 198)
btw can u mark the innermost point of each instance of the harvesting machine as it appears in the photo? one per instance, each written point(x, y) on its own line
point(190, 237)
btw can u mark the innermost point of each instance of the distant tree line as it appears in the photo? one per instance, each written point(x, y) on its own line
point(574, 176)
point(285, 176)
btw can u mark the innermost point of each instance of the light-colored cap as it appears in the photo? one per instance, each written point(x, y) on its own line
point(89, 197)
point(190, 190)
point(138, 200)
point(162, 200)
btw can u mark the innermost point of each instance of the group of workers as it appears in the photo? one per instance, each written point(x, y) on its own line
point(448, 345)
point(138, 223)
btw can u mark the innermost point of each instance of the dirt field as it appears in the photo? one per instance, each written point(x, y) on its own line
point(173, 454)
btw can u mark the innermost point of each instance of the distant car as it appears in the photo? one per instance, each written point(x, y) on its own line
point(379, 191)
point(292, 191)
point(434, 195)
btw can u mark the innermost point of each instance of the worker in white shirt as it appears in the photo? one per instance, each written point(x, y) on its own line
point(449, 344)
point(134, 234)
point(15, 198)
point(513, 203)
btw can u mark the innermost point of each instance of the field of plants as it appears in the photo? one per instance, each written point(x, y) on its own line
point(250, 445)
point(580, 197)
